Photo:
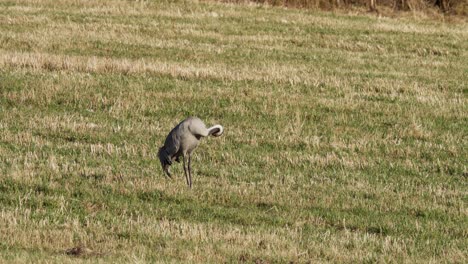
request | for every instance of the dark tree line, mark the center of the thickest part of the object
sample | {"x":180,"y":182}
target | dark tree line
{"x":459,"y":7}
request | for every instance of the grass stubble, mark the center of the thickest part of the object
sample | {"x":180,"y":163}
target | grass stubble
{"x":345,"y":140}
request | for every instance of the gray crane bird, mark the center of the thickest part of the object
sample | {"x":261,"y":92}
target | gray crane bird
{"x":182,"y":141}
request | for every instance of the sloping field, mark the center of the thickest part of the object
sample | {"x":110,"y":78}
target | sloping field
{"x":346,"y":136}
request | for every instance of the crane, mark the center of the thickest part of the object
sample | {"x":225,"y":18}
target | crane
{"x":182,"y":141}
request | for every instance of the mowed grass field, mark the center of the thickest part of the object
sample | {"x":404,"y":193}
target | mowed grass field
{"x":345,"y":136}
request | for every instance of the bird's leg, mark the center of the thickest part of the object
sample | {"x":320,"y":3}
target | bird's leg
{"x":185,"y":170}
{"x":190,"y":170}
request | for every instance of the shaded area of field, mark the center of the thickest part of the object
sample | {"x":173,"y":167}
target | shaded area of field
{"x":345,"y":135}
{"x":449,"y":7}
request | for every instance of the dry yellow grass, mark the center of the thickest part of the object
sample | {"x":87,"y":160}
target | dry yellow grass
{"x":345,"y":135}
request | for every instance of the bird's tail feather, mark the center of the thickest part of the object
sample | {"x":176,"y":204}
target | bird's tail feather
{"x":163,"y":157}
{"x":216,"y":130}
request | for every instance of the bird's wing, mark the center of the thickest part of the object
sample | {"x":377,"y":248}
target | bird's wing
{"x":172,"y":142}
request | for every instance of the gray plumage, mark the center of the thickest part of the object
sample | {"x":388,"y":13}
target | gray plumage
{"x":182,"y":141}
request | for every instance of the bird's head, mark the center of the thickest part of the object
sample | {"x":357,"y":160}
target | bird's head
{"x":216,"y":130}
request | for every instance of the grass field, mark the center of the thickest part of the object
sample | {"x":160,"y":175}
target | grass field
{"x":346,"y":136}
